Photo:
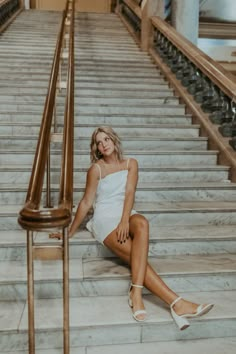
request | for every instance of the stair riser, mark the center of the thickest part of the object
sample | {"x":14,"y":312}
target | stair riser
{"x":12,"y":291}
{"x":156,"y":248}
{"x":96,"y":109}
{"x":99,"y":119}
{"x":119,"y":334}
{"x":109,"y":93}
{"x":148,"y":177}
{"x":43,"y":75}
{"x":86,"y":132}
{"x":127,"y":145}
{"x":156,"y":218}
{"x":101,"y":101}
{"x":228,"y":195}
{"x":155,"y":160}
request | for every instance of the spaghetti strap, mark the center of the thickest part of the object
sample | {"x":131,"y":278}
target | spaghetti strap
{"x":99,"y":168}
{"x":127,"y":164}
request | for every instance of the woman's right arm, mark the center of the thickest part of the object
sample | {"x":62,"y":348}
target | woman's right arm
{"x":86,"y":202}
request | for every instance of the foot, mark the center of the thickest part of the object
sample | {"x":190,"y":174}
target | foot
{"x":184,"y":307}
{"x":137,"y":304}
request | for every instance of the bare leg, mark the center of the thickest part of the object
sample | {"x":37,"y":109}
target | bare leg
{"x":134,"y":252}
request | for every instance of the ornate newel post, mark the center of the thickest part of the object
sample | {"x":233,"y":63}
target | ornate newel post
{"x":150,"y":8}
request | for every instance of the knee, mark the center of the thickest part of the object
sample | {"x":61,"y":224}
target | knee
{"x":141,"y":225}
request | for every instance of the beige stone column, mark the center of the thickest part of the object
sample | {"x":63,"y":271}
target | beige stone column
{"x":185,"y":18}
{"x":150,"y":8}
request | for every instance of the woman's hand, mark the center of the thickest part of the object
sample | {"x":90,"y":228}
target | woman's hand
{"x":122,"y":231}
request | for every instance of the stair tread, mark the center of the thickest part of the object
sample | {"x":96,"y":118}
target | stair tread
{"x":124,"y":138}
{"x":155,"y":207}
{"x":82,"y":167}
{"x":204,"y":346}
{"x":128,"y":126}
{"x":227,"y":185}
{"x":96,"y":268}
{"x":157,"y":234}
{"x":90,"y":312}
{"x":135,"y":152}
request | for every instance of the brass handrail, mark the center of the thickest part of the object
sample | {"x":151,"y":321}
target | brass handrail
{"x":30,"y":216}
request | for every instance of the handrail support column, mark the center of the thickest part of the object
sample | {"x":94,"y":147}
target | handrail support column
{"x":66,"y":317}
{"x":30,"y":290}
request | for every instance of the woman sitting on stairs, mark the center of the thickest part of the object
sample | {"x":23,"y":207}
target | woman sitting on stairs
{"x":110,"y":189}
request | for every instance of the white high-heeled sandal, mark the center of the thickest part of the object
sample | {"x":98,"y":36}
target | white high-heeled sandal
{"x":130,"y":302}
{"x":181,"y":320}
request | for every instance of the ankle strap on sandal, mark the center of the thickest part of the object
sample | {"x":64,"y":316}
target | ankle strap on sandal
{"x":136,"y":286}
{"x":175,"y":301}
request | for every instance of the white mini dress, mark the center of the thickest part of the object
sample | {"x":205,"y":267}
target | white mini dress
{"x":108,"y":205}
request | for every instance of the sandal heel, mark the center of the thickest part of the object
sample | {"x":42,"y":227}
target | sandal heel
{"x":181,"y":321}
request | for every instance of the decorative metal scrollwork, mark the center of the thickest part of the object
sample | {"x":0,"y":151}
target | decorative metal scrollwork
{"x":7,"y":10}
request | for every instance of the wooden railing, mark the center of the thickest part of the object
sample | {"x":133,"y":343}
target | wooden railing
{"x":9,"y":9}
{"x":207,"y":89}
{"x":33,"y":216}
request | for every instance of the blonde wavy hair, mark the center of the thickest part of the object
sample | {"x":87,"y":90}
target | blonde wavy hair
{"x":95,"y":155}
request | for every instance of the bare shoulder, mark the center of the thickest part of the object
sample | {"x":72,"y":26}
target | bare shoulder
{"x":133,"y":163}
{"x":93,"y":171}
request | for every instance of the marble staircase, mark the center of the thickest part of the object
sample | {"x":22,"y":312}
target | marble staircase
{"x":187,"y":197}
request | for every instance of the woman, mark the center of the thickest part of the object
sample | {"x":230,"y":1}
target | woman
{"x":110,"y":189}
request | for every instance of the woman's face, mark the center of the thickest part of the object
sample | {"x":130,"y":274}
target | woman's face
{"x":104,"y":144}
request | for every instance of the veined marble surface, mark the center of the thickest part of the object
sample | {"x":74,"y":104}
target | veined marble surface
{"x":203,"y":346}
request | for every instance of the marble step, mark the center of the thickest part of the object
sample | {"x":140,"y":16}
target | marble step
{"x":21,"y":174}
{"x":27,"y":55}
{"x":146,"y":192}
{"x":80,"y":93}
{"x":143,"y":143}
{"x":104,"y":67}
{"x":144,"y":158}
{"x":102,"y":109}
{"x":14,"y":40}
{"x":113,"y":53}
{"x":86,"y":65}
{"x":216,"y":345}
{"x":91,"y":277}
{"x":79,"y":78}
{"x":93,"y":322}
{"x":82,"y":74}
{"x":88,"y":92}
{"x":89,"y":85}
{"x":24,"y":50}
{"x":89,"y":100}
{"x":82,"y":42}
{"x":104,"y":119}
{"x":115,"y":56}
{"x":127,"y":130}
{"x":158,"y":214}
{"x":164,"y":241}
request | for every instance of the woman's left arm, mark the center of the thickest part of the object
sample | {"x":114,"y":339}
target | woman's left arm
{"x":132,"y":180}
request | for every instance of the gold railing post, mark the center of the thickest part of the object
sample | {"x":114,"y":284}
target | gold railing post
{"x":30,"y":285}
{"x":48,"y":183}
{"x":66,"y":315}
